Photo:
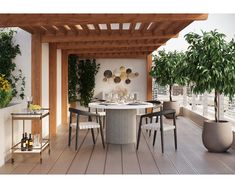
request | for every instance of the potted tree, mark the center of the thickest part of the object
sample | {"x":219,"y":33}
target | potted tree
{"x":211,"y":67}
{"x":165,"y":71}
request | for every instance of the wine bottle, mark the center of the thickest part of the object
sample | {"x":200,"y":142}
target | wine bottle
{"x":23,"y":143}
{"x":26,"y":140}
{"x":30,"y":143}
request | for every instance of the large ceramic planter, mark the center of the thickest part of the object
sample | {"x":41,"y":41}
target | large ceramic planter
{"x":167,"y":105}
{"x":217,"y":136}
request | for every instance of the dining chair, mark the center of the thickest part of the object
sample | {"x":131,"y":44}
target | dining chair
{"x":91,"y":125}
{"x":156,"y":107}
{"x":155,"y":126}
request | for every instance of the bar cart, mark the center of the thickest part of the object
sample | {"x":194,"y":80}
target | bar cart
{"x":43,"y":142}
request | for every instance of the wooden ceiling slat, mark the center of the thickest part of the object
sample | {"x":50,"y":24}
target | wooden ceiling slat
{"x":74,"y":29}
{"x":104,"y":37}
{"x":62,"y":29}
{"x":18,"y":20}
{"x":143,"y":27}
{"x":132,"y":27}
{"x":85,"y":28}
{"x":50,"y":29}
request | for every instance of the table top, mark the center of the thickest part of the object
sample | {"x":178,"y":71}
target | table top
{"x":124,"y":106}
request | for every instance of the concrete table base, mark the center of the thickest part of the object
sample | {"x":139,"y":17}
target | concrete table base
{"x":121,"y":126}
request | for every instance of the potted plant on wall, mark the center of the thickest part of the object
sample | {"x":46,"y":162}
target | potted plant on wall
{"x":211,"y":67}
{"x":165,"y":71}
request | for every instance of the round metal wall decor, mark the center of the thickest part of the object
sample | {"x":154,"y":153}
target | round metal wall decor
{"x":128,"y":81}
{"x":108,"y":73}
{"x":128,"y":71}
{"x":117,"y":75}
{"x":117,"y":79}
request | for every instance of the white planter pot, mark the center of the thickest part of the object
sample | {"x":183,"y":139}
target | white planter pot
{"x":217,"y":136}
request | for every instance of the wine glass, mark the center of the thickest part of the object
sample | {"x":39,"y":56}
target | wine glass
{"x":132,"y":96}
{"x":29,"y":101}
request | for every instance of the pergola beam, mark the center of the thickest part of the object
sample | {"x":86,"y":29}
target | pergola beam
{"x":104,"y":37}
{"x":103,"y":46}
{"x":20,"y":20}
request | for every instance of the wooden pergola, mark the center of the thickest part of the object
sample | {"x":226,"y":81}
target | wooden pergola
{"x":92,"y":36}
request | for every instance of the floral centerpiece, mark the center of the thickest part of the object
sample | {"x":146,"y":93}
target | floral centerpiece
{"x":5,"y":91}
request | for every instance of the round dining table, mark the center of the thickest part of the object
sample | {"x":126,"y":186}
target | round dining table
{"x":120,"y":120}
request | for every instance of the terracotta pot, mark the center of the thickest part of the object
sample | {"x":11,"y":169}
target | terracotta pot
{"x":217,"y":136}
{"x":167,"y":105}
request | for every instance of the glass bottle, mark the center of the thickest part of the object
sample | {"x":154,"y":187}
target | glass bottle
{"x":23,"y":143}
{"x":30,"y":143}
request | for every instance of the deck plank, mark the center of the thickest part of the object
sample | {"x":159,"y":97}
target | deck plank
{"x":97,"y":160}
{"x":82,"y":158}
{"x":62,"y":164}
{"x":129,"y":158}
{"x":113,"y":163}
{"x":145,"y":158}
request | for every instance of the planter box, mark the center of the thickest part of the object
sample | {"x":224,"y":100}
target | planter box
{"x":6,"y":130}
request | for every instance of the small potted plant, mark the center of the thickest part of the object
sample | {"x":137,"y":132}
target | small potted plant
{"x":165,"y":71}
{"x":211,"y":67}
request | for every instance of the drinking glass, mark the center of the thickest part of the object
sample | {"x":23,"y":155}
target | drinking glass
{"x":36,"y":140}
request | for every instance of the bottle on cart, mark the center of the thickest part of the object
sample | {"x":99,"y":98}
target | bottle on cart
{"x":26,"y":140}
{"x":30,"y":143}
{"x":23,"y":143}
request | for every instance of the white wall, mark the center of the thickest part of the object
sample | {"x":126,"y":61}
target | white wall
{"x":23,"y":61}
{"x":138,"y":84}
{"x":222,"y":22}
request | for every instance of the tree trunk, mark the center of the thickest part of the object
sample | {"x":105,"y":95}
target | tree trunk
{"x":170,"y":88}
{"x":216,"y":106}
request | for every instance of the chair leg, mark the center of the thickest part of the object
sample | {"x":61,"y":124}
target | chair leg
{"x":138,"y":138}
{"x":93,"y":136}
{"x":104,"y":122}
{"x":102,"y":136}
{"x":70,"y":132}
{"x":175,"y":137}
{"x":76,"y":143}
{"x":154,"y":137}
{"x":149,"y":132}
{"x":162,"y":141}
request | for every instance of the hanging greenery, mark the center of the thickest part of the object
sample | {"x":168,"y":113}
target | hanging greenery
{"x":166,"y":69}
{"x":72,"y":78}
{"x":8,"y":52}
{"x":82,"y":79}
{"x":87,"y":69}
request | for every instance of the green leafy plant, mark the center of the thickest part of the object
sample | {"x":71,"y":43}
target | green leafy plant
{"x":82,"y":79}
{"x":211,"y":65}
{"x":73,"y":78}
{"x":8,"y":51}
{"x":166,"y":69}
{"x":87,"y":69}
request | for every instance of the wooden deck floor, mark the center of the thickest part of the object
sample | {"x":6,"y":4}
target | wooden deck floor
{"x":190,"y":158}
